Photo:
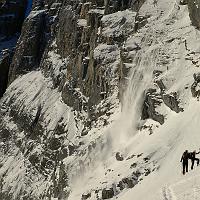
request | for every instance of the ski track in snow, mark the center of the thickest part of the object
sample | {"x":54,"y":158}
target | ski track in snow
{"x":168,"y":194}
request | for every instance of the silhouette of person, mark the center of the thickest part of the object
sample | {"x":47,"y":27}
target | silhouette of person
{"x":193,"y":158}
{"x":184,"y":160}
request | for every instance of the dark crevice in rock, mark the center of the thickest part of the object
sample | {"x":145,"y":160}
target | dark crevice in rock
{"x":4,"y":70}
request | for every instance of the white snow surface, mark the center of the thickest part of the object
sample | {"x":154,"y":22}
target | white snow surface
{"x":115,"y":24}
{"x":38,"y":91}
{"x":58,"y":65}
{"x":34,"y":14}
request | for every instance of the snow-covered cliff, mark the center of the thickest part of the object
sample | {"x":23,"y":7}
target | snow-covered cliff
{"x":102,"y":100}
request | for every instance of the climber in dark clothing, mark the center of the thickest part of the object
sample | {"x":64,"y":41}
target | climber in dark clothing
{"x":193,"y":158}
{"x":184,"y":160}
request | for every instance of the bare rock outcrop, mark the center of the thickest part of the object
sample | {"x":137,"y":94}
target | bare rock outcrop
{"x":152,"y":100}
{"x":194,"y":12}
{"x":108,"y":193}
{"x":195,"y":87}
{"x":171,"y":100}
{"x":30,"y":46}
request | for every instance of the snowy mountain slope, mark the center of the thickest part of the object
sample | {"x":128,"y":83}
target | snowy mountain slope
{"x":169,"y":144}
{"x":19,"y":100}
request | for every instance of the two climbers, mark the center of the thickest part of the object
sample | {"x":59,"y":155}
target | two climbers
{"x":185,"y":157}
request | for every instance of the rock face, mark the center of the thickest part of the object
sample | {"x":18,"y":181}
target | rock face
{"x":108,"y":193}
{"x":152,"y":100}
{"x":30,"y":45}
{"x":171,"y":101}
{"x":195,"y":89}
{"x":4,"y":70}
{"x":194,"y":10}
{"x":158,"y":97}
{"x":86,"y":196}
{"x":119,"y":157}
